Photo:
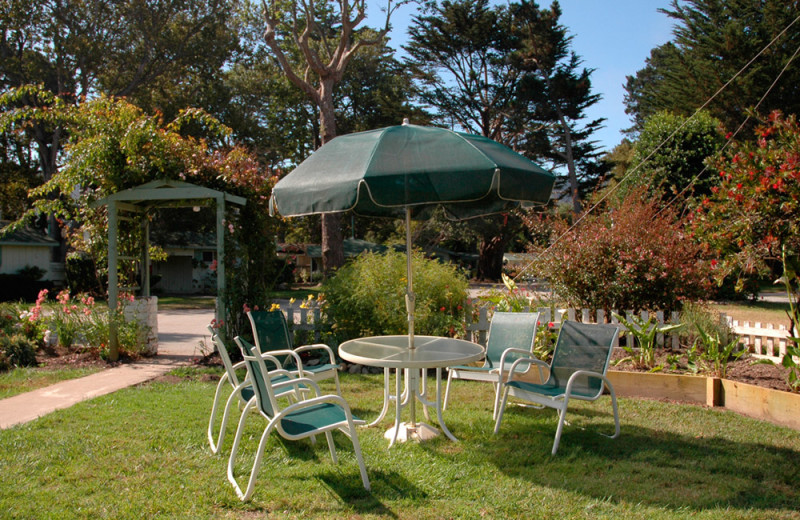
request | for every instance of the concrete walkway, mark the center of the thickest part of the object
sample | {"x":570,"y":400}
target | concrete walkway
{"x":179,"y":336}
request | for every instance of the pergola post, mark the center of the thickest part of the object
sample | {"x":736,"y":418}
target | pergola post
{"x":146,"y":258}
{"x":113,"y":279}
{"x":220,"y":306}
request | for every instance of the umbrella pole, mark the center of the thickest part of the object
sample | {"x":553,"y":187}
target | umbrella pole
{"x":410,"y":296}
{"x":411,"y":378}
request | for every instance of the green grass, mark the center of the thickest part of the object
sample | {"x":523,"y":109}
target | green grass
{"x":142,"y":453}
{"x":760,"y":311}
{"x":21,"y":380}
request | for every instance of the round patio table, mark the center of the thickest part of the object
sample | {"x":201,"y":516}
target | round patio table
{"x":392,"y":352}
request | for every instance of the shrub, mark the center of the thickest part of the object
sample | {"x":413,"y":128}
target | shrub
{"x":366,"y":297}
{"x":16,"y":351}
{"x":632,"y":257}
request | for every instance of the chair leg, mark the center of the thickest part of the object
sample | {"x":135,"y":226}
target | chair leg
{"x":235,"y":449}
{"x":616,"y":412}
{"x":215,"y":448}
{"x":357,"y":449}
{"x":336,"y":379}
{"x":562,"y":415}
{"x":447,"y":389}
{"x":498,"y":389}
{"x":331,"y":447}
{"x":212,"y":419}
{"x":502,"y":409}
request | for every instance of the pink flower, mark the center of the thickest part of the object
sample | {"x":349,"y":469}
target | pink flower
{"x":213,"y":266}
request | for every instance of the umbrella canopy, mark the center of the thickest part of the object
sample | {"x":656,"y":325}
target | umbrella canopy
{"x":398,"y":170}
{"x":383,"y":172}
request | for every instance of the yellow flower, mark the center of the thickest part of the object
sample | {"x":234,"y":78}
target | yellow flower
{"x":291,"y":301}
{"x":310,"y":297}
{"x":275,"y":307}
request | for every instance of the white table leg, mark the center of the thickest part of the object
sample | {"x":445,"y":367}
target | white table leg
{"x":386,"y":397}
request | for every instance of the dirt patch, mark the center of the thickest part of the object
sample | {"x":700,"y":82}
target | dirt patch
{"x":745,"y":369}
{"x":57,"y":358}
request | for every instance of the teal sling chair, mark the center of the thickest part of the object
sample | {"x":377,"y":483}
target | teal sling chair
{"x":577,"y":371}
{"x":317,"y":414}
{"x":511,"y":335}
{"x":241,"y":392}
{"x":272,"y":336}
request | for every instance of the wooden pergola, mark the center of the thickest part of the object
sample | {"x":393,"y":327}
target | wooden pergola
{"x":139,"y":200}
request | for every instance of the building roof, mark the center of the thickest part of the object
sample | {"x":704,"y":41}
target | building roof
{"x":25,"y":236}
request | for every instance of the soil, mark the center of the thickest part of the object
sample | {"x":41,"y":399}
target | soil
{"x":56,"y":358}
{"x":745,"y":369}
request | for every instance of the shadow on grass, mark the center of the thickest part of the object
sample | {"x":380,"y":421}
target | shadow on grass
{"x":350,"y":489}
{"x":644,"y":465}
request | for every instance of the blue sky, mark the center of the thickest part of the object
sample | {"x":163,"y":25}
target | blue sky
{"x":614,"y":37}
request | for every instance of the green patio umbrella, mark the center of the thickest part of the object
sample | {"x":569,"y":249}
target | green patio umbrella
{"x":399,"y":170}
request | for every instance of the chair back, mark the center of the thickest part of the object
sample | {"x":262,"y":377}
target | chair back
{"x":224,"y":356}
{"x":270,"y":332}
{"x":510,"y":330}
{"x":582,"y":346}
{"x":259,"y":377}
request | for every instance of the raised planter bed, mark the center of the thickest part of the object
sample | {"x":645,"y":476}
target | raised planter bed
{"x":761,"y":403}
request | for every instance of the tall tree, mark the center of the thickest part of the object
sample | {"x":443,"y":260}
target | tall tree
{"x":713,"y":40}
{"x":669,"y":156}
{"x":458,"y":55}
{"x":313,"y":42}
{"x":557,"y":90}
{"x":507,"y":73}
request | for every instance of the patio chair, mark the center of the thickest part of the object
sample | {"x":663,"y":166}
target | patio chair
{"x":577,"y":371}
{"x":511,"y":336}
{"x":318,"y":414}
{"x":271,"y":334}
{"x":241,"y":392}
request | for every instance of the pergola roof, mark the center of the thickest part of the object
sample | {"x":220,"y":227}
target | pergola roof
{"x":165,"y":192}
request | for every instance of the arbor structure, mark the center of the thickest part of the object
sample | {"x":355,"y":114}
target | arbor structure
{"x":114,"y":146}
{"x":713,"y":40}
{"x":313,"y":44}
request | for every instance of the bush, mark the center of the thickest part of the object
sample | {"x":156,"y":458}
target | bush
{"x":16,"y":351}
{"x":366,"y":297}
{"x":82,"y":274}
{"x":633,"y":257}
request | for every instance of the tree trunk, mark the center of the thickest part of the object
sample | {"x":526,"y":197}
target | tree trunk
{"x":332,"y":246}
{"x":490,"y":261}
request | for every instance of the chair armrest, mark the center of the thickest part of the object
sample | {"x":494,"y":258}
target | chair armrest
{"x":527,"y":358}
{"x":530,"y":360}
{"x":296,"y":382}
{"x":328,"y":398}
{"x":272,"y":359}
{"x":589,"y":373}
{"x":317,"y":346}
{"x":284,"y":352}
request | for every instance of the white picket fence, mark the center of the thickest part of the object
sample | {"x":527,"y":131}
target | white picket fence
{"x":762,"y":341}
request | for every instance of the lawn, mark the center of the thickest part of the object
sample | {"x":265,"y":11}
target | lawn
{"x":24,"y":379}
{"x":142,"y":453}
{"x":755,"y":312}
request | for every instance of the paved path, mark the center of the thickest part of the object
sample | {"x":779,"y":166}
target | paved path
{"x":179,"y":335}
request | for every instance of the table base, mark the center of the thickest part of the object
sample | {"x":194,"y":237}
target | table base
{"x":406,"y":432}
